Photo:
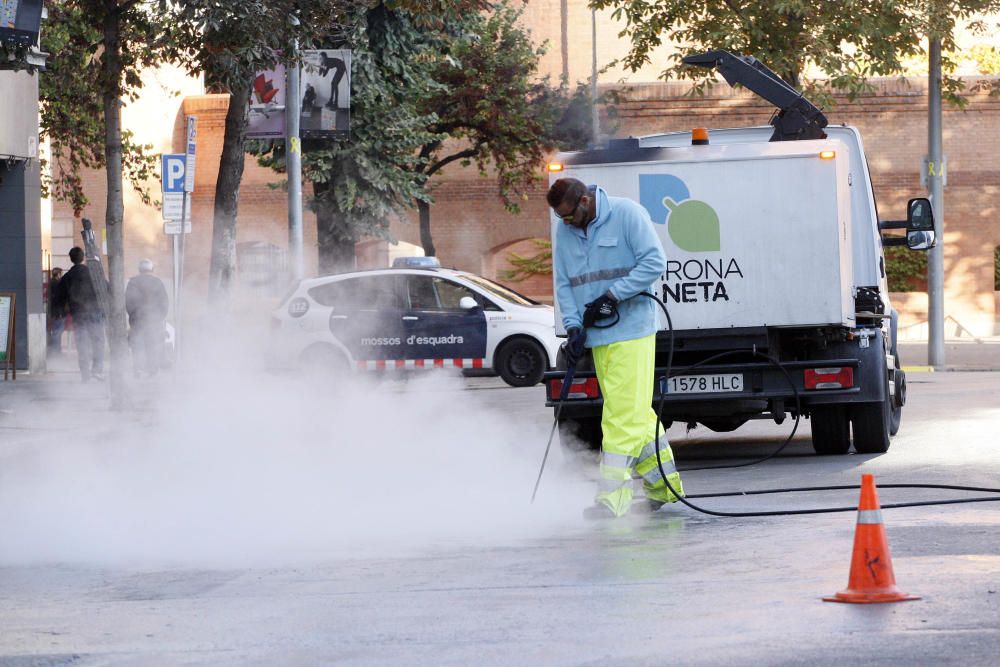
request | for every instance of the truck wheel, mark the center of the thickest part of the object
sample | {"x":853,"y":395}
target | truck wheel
{"x":872,"y":425}
{"x":521,"y":362}
{"x":831,"y":433}
{"x":324,"y":360}
{"x":896,"y":415}
{"x":582,"y":434}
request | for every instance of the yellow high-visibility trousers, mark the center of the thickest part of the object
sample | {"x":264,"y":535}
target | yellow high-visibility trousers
{"x":625,"y":373}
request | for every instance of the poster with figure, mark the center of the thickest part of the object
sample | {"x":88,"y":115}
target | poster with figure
{"x":326,"y":93}
{"x":266,"y":114}
{"x":20,"y":20}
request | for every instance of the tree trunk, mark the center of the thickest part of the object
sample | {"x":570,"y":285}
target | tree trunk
{"x":334,"y":238}
{"x":227,"y":196}
{"x":424,"y":209}
{"x":112,"y":71}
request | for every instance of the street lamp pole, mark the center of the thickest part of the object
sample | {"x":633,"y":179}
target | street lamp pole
{"x":293,"y":163}
{"x":595,"y":118}
{"x":935,"y":185}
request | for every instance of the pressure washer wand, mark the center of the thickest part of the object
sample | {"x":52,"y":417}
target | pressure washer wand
{"x":563,"y":395}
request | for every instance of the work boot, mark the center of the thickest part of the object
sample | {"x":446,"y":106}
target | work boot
{"x":676,"y":508}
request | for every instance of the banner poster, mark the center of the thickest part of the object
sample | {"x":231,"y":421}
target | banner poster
{"x":266,"y":119}
{"x":326,"y":93}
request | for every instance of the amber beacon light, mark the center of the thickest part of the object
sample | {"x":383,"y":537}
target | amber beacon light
{"x":827,"y":155}
{"x":555,"y":166}
{"x":699,"y":136}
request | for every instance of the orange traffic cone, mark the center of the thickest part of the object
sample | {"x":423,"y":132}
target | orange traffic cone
{"x":871,"y":578}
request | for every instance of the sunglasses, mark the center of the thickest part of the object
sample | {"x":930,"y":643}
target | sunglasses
{"x":572,"y":214}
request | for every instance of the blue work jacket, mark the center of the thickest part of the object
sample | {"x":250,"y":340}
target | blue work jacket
{"x":619,"y":251}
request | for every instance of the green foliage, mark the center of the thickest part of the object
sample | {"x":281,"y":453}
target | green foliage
{"x":847,"y":41}
{"x":524,"y":267}
{"x":230,"y":41}
{"x":71,"y":91}
{"x":362,"y":181}
{"x":905,"y":269}
{"x":492,"y":109}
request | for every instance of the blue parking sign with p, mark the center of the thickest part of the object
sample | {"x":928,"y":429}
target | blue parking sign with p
{"x":172,"y":172}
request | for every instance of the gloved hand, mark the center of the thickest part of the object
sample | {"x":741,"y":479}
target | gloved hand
{"x":574,"y":347}
{"x":600,"y":308}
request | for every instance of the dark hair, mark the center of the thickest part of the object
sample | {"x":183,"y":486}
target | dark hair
{"x":76,"y":254}
{"x":565,"y":189}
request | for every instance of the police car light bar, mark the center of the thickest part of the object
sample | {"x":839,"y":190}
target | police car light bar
{"x":416,"y":263}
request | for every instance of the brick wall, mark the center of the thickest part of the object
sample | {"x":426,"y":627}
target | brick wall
{"x":472,"y":230}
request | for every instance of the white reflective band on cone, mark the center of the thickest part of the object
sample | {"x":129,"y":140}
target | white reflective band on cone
{"x":869,"y":516}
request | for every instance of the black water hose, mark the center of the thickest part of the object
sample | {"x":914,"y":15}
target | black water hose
{"x":798,"y":415}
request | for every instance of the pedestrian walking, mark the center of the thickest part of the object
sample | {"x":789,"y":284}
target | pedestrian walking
{"x":146,"y":303}
{"x":606,"y":253}
{"x":75,"y":293}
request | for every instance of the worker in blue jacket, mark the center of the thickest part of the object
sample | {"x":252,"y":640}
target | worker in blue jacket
{"x":606,"y":252}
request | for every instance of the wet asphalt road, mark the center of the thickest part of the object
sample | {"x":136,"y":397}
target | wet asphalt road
{"x":684,"y":588}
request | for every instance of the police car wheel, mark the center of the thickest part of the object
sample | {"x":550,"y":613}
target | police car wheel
{"x":521,"y":362}
{"x":324,"y":360}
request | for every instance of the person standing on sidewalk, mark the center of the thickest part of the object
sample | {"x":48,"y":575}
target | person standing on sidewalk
{"x":147,"y":304}
{"x":57,"y":318}
{"x":606,"y":253}
{"x":75,"y":293}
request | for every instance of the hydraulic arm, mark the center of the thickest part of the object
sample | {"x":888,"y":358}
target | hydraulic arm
{"x":797,"y":117}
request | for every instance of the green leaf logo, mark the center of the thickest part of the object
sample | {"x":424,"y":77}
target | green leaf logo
{"x":693,"y":225}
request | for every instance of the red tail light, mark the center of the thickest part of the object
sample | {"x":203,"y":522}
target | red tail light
{"x":829,"y":378}
{"x":582,"y":388}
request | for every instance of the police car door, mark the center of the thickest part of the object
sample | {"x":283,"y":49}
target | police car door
{"x":367,"y":318}
{"x":438,"y":328}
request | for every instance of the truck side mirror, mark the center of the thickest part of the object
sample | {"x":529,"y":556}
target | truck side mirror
{"x":919,"y":215}
{"x":920,"y":233}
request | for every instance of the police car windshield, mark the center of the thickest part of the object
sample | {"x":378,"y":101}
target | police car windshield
{"x":499,"y":290}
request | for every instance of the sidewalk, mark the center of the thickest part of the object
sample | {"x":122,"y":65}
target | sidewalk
{"x":981,"y":354}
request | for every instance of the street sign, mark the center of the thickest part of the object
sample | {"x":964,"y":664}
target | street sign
{"x":189,"y":163}
{"x":172,"y":185}
{"x":173,"y":227}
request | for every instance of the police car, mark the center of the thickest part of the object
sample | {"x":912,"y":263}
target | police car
{"x":412,"y":316}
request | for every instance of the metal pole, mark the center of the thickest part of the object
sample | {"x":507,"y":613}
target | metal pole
{"x":293,"y":165}
{"x":595,"y":118}
{"x":935,"y":185}
{"x":177,"y":277}
{"x":180,"y":280}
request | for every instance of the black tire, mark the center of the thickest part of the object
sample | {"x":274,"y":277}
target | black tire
{"x":521,"y":362}
{"x":324,"y":362}
{"x":831,"y":432}
{"x":896,"y":414}
{"x":582,"y":434}
{"x":872,"y":424}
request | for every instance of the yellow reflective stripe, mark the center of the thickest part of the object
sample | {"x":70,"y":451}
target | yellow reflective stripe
{"x":618,"y":501}
{"x":612,"y":472}
{"x":647,"y":458}
{"x":869,"y":516}
{"x":609,"y":485}
{"x":653,"y":474}
{"x":617,"y":460}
